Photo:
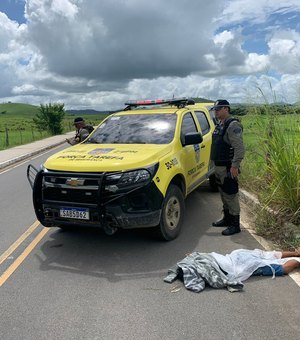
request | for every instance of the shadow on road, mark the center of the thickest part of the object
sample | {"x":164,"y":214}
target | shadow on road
{"x":133,"y":254}
{"x":129,"y":253}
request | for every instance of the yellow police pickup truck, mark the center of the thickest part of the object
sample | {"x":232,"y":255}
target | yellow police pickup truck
{"x":133,"y":171}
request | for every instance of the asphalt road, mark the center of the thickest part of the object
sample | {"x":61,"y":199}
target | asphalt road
{"x":87,"y":285}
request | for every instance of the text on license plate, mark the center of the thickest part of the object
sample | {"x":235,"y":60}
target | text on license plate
{"x":78,"y":213}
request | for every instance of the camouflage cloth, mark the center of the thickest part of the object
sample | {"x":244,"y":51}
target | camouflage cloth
{"x":199,"y":269}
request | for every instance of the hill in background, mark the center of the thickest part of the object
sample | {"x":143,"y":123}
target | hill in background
{"x":18,"y":109}
{"x":29,"y":111}
{"x":202,"y":100}
{"x":86,"y":112}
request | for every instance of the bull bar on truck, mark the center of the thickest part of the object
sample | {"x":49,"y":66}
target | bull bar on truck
{"x":98,"y":194}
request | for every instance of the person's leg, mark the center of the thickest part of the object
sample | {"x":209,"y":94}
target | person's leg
{"x":272,"y":269}
{"x":220,"y":173}
{"x":280,"y":270}
{"x":232,"y":201}
{"x":224,"y":221}
{"x":285,"y":254}
{"x":290,"y":265}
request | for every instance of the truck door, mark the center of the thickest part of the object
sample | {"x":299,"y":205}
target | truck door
{"x":205,"y":146}
{"x":190,"y":154}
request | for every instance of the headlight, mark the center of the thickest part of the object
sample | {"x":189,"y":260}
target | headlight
{"x":130,"y":179}
{"x":133,"y":177}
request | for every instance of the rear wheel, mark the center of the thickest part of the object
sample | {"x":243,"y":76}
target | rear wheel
{"x":172,"y":214}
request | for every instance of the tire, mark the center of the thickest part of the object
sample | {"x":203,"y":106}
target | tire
{"x":172,"y":214}
{"x":213,"y":184}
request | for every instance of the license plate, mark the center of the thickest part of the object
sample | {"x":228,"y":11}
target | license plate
{"x":77,"y":213}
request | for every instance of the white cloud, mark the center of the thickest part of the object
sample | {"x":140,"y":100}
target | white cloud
{"x":64,"y":8}
{"x":223,"y":38}
{"x":91,"y":53}
{"x":26,"y":89}
{"x":121,"y":40}
{"x":256,"y":11}
{"x":228,"y":56}
{"x":256,"y":63}
{"x":284,"y":50}
{"x":7,"y":31}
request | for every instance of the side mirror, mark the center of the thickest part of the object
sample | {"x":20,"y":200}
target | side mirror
{"x":192,"y":138}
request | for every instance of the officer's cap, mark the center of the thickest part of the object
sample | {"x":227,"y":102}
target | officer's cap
{"x":78,"y":120}
{"x":220,"y":103}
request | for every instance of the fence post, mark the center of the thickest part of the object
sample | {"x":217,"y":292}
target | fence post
{"x":6,"y":137}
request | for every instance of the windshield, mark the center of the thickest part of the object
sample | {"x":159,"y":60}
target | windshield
{"x":136,"y":129}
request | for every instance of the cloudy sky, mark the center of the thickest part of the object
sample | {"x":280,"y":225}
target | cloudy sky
{"x":98,"y":54}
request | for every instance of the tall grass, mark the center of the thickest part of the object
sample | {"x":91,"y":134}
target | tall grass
{"x":282,"y":152}
{"x":20,"y":137}
{"x":271,"y":169}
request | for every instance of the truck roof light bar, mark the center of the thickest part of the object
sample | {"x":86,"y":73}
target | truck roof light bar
{"x":179,"y":102}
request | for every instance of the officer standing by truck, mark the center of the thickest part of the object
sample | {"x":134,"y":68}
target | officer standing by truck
{"x":227,"y":153}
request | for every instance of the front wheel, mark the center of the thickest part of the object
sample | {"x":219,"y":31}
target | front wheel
{"x":172,"y":214}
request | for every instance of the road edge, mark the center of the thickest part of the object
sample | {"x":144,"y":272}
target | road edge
{"x":18,"y":159}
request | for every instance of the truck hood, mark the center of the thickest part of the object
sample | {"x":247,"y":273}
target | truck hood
{"x":106,"y":157}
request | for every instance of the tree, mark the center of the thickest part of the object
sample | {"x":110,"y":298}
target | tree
{"x":50,"y":117}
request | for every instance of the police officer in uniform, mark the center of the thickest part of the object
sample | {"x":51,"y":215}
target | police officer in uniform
{"x":227,"y":153}
{"x":82,"y":131}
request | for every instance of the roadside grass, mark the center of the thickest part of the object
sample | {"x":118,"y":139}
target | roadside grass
{"x":271,"y":171}
{"x":274,"y":227}
{"x":17,"y":125}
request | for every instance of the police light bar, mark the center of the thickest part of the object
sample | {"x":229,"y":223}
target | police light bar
{"x":146,"y":102}
{"x":174,"y":101}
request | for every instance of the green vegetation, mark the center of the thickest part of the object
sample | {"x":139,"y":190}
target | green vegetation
{"x":16,"y":109}
{"x":17,"y":127}
{"x":202,"y":100}
{"x":263,"y":110}
{"x":50,"y":118}
{"x":271,"y":170}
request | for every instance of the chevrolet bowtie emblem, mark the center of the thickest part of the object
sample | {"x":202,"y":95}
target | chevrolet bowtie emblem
{"x":74,"y":182}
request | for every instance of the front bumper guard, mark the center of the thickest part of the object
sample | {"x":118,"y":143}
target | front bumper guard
{"x":104,"y":219}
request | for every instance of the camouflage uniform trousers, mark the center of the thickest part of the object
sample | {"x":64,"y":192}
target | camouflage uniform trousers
{"x":228,"y":189}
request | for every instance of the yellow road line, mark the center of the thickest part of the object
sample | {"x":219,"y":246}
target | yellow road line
{"x":15,"y":245}
{"x":10,"y":270}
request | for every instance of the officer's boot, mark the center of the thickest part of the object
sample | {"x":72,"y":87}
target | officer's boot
{"x":234,"y":226}
{"x":223,"y":222}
